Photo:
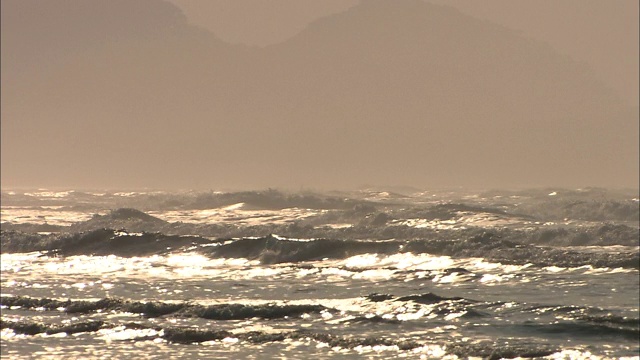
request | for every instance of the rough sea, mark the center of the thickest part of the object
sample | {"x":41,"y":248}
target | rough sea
{"x":543,"y":273}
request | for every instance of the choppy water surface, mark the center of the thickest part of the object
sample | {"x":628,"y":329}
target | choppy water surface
{"x":375,"y":275}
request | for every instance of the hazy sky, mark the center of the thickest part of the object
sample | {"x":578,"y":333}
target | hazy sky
{"x":602,"y":33}
{"x":337,"y":94}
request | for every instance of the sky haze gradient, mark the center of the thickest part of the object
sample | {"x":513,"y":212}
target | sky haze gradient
{"x":189,"y":94}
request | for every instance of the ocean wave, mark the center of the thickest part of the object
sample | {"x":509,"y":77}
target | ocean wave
{"x":270,"y":249}
{"x":488,"y":246}
{"x":157,"y":309}
{"x":572,"y":321}
{"x":274,"y":250}
{"x":426,"y":298}
{"x":500,"y":350}
{"x":33,"y":328}
{"x":494,"y":248}
{"x":343,"y":219}
{"x":583,"y":318}
{"x":187,"y":335}
{"x":575,"y":329}
{"x":97,"y":242}
{"x":177,"y":335}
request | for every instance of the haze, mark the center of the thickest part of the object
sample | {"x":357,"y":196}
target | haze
{"x":331,"y":94}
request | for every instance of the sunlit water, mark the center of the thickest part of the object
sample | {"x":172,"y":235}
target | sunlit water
{"x":402,"y":305}
{"x":516,"y":304}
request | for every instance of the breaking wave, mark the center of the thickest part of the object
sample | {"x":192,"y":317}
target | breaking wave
{"x":273,"y":250}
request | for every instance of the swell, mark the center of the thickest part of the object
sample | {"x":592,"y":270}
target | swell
{"x":495,"y":248}
{"x":426,"y":298}
{"x":569,"y":319}
{"x":367,"y":222}
{"x":440,"y":305}
{"x":500,"y":350}
{"x":591,"y":204}
{"x":184,"y":335}
{"x":33,"y":328}
{"x":157,"y":309}
{"x":579,"y":329}
{"x":98,"y":242}
{"x":273,"y":250}
{"x":591,"y":322}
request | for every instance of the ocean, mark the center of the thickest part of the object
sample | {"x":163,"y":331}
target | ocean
{"x":539,"y":273}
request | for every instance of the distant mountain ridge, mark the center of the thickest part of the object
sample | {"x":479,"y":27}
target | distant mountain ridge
{"x":397,"y":92}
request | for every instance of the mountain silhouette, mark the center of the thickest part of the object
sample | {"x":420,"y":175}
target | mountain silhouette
{"x":387,"y":92}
